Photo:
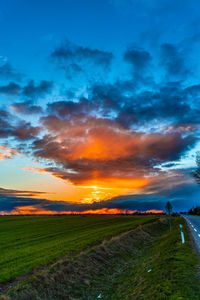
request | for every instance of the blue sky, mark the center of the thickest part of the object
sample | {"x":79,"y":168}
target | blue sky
{"x":99,"y":101}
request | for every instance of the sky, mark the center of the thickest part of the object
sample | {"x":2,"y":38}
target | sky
{"x":99,"y":105}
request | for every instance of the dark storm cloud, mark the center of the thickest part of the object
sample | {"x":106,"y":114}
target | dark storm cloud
{"x":21,"y":130}
{"x":110,"y":96}
{"x":99,"y":103}
{"x":11,"y":88}
{"x":66,"y":109}
{"x":182,"y":197}
{"x":7,"y":72}
{"x":27,"y":108}
{"x":139,"y":58}
{"x":169,"y":102}
{"x":102,"y":100}
{"x":5,"y":127}
{"x":193,"y":90}
{"x":174,"y":61}
{"x":30,"y":90}
{"x":25,"y":131}
{"x":74,"y":53}
{"x":81,"y":63}
{"x":10,"y":203}
{"x":36,"y":90}
{"x":18,"y":193}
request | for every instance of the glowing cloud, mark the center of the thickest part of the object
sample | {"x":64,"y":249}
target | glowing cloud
{"x":7,"y":152}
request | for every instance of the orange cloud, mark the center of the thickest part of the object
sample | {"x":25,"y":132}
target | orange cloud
{"x":104,"y":140}
{"x":94,"y":189}
{"x":7,"y":152}
{"x":88,"y":152}
{"x":35,"y":169}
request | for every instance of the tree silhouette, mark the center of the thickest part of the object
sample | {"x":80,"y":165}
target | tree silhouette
{"x":196,"y":174}
{"x":169,"y":211}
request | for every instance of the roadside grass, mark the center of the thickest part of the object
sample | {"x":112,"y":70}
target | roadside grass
{"x":146,"y":263}
{"x":30,"y":242}
{"x":173,"y":268}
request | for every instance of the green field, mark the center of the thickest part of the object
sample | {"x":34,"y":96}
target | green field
{"x":148,"y":262}
{"x":29,"y":242}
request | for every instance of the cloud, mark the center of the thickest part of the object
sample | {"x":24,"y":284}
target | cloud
{"x":11,"y":88}
{"x":18,"y":193}
{"x":66,"y":109}
{"x":25,"y":131}
{"x":7,"y":72}
{"x":74,"y":53}
{"x":87,"y":149}
{"x":173,"y":60}
{"x":21,"y":129}
{"x":22,"y":202}
{"x":116,"y":134}
{"x":5,"y":127}
{"x":140,"y":100}
{"x":139,"y":58}
{"x":166,"y":103}
{"x":16,"y":202}
{"x":33,"y":90}
{"x":193,"y":90}
{"x":30,"y":90}
{"x":6,"y":152}
{"x":26,"y":108}
{"x":10,"y":200}
{"x":81,"y":63}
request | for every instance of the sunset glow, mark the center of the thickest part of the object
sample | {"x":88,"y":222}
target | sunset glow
{"x":98,"y":111}
{"x":30,"y":210}
{"x":97,"y":188}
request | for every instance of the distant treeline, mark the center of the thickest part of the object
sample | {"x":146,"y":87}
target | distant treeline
{"x":194,"y":211}
{"x":90,"y":214}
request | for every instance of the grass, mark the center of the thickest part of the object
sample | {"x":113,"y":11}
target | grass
{"x":173,"y":270}
{"x":118,"y":269}
{"x":29,"y":242}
